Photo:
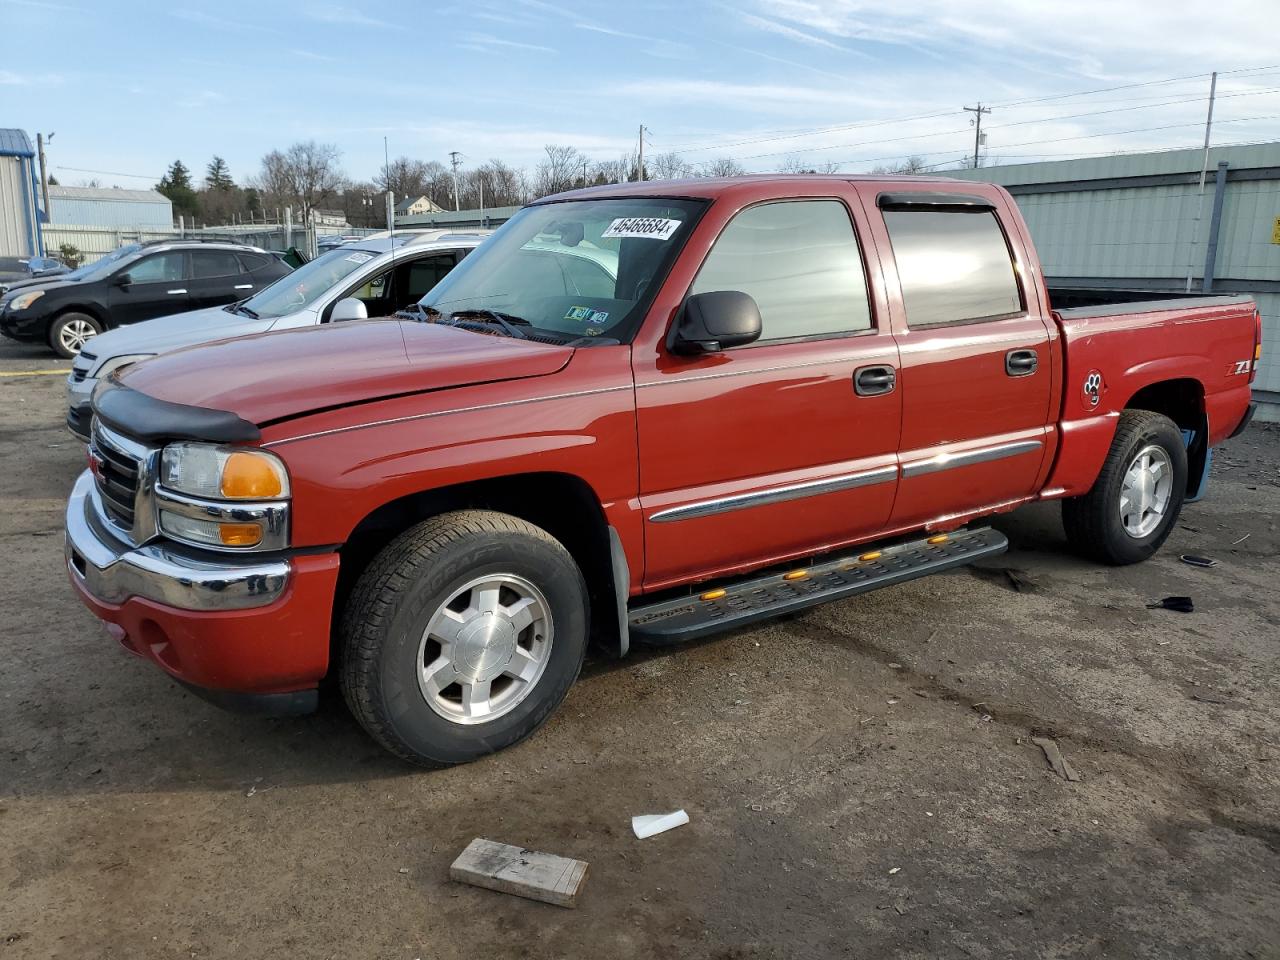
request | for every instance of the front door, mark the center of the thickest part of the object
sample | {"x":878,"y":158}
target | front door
{"x":976,"y":364}
{"x":770,"y":450}
{"x":157,"y":287}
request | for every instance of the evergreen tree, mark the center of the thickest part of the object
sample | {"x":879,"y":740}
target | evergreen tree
{"x":176,"y":185}
{"x":218,"y":175}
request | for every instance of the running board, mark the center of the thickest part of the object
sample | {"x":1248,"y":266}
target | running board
{"x":737,"y":604}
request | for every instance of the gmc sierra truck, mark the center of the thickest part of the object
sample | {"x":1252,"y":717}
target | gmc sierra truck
{"x":639,"y":413}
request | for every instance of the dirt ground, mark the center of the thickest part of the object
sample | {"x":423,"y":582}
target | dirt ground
{"x":859,"y":779}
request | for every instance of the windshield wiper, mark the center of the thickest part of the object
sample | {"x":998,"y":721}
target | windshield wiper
{"x":248,"y":312}
{"x":507,"y":322}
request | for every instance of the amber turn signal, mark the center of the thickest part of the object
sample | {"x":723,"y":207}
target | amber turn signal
{"x":240,"y":534}
{"x":246,"y":476}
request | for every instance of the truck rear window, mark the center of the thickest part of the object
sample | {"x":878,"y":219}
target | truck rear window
{"x":954,"y":266}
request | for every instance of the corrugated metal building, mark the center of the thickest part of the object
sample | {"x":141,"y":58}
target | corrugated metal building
{"x":489,"y":217}
{"x":109,"y":207}
{"x":1139,"y":222}
{"x":19,"y":222}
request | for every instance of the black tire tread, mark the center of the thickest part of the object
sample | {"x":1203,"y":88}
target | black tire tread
{"x":1084,"y":517}
{"x":374,"y":597}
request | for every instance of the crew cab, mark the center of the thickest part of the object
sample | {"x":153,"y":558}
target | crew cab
{"x":372,"y":277}
{"x":135,"y":283}
{"x":638,"y":413}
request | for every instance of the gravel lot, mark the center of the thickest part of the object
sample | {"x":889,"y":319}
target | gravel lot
{"x":859,"y":779}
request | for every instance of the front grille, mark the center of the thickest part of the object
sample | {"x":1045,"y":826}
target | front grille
{"x":117,"y":480}
{"x":83,"y":364}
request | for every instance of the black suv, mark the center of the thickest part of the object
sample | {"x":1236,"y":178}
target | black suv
{"x":136,"y":282}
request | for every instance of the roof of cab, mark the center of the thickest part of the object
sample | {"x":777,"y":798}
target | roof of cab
{"x":711,"y":187}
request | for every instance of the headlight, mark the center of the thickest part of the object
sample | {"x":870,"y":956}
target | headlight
{"x":115,"y":363}
{"x":24,"y":300}
{"x":223,"y":497}
{"x":223,"y":473}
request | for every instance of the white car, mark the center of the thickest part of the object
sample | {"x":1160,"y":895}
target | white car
{"x":373,"y":277}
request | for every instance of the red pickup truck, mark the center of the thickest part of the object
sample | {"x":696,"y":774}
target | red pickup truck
{"x":636,"y":413}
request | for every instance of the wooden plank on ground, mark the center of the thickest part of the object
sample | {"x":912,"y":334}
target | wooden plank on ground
{"x":526,"y":873}
{"x":1053,"y":754}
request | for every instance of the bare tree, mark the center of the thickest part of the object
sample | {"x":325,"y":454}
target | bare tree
{"x":614,"y":171}
{"x":668,"y":166}
{"x":796,"y":165}
{"x":306,"y":175}
{"x":562,"y":170}
{"x":722,"y":167}
{"x":405,"y":177}
{"x":908,"y":167}
{"x":503,"y":186}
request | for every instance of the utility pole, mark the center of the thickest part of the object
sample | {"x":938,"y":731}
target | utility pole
{"x":584,"y":173}
{"x":44,"y":178}
{"x":977,"y":111}
{"x":1204,"y":170}
{"x":455,"y":158}
{"x":640,"y":171}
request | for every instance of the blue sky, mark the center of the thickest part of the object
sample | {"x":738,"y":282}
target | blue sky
{"x":129,"y":86}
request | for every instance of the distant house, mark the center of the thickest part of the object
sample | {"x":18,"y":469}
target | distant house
{"x":321,"y":217}
{"x":417,"y":206}
{"x":109,"y":207}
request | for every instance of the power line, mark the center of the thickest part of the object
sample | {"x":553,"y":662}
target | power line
{"x":114,"y":173}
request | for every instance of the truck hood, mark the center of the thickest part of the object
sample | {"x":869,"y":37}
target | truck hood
{"x":277,"y":376}
{"x":173,"y":332}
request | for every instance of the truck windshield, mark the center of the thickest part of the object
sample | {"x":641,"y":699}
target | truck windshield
{"x":302,"y":288}
{"x":583,"y":268}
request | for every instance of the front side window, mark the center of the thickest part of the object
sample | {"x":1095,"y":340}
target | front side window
{"x":799,"y":260}
{"x":582,"y":268}
{"x":954,"y":266}
{"x":161,"y":268}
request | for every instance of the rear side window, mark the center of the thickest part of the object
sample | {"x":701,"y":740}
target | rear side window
{"x":250,"y":262}
{"x":425,"y":274}
{"x":954,"y":266}
{"x":214,"y":263}
{"x":799,"y":260}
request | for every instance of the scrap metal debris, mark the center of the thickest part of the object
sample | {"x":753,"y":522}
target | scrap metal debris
{"x":1053,"y":754}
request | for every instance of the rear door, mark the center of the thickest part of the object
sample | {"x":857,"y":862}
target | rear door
{"x":157,"y":287}
{"x":771,"y":450}
{"x":975,"y":354}
{"x":217,"y":277}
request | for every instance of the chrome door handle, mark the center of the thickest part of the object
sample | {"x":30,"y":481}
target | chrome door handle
{"x":244,"y":286}
{"x":180,"y":290}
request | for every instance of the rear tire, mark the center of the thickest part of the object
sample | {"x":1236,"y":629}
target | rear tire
{"x":69,"y":333}
{"x":1134,"y":503}
{"x":462,"y":636}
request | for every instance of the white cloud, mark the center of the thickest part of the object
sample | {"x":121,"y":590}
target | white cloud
{"x":345,"y":16}
{"x":10,"y":78}
{"x":482,"y":41}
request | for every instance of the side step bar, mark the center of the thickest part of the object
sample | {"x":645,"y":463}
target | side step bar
{"x":713,"y":610}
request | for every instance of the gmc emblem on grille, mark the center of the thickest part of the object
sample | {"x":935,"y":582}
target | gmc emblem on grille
{"x":95,"y":465}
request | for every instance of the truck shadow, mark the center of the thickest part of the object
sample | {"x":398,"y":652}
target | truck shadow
{"x":149,"y":736}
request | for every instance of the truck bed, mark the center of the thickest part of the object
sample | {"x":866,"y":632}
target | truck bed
{"x":1079,"y":302}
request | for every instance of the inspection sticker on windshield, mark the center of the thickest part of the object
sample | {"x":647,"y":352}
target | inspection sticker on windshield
{"x":587,"y":315}
{"x":358,"y":257}
{"x":650,"y":228}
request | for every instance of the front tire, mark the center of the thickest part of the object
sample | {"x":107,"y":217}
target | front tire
{"x":70,"y":332}
{"x":462,"y":637}
{"x":1134,"y":503}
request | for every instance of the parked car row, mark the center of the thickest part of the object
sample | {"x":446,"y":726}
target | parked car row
{"x":643,"y":412}
{"x":374,"y":277}
{"x":135,"y":283}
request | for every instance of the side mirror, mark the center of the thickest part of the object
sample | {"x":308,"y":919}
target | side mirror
{"x":349,"y":308}
{"x":122,"y":279}
{"x":711,"y":322}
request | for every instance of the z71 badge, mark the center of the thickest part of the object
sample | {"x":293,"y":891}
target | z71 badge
{"x":1091,"y":392}
{"x":1239,"y":367}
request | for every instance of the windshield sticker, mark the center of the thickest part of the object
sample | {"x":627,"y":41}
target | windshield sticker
{"x":587,"y":315}
{"x":358,"y":257}
{"x":649,"y":228}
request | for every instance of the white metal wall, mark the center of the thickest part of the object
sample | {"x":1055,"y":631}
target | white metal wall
{"x":15,"y":212}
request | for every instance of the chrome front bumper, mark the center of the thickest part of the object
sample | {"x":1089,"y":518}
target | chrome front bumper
{"x":112,"y":572}
{"x":80,"y":406}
